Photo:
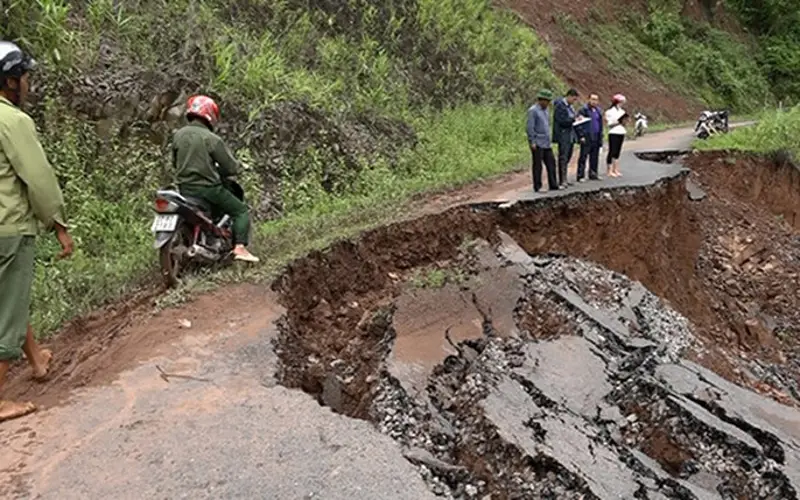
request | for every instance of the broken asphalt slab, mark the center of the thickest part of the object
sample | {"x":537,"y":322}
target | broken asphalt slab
{"x":607,"y":413}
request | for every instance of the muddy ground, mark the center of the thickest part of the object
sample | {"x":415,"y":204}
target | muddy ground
{"x":508,"y":370}
{"x":718,"y":245}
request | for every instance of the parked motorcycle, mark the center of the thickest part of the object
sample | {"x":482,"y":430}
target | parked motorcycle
{"x":711,"y":123}
{"x":640,"y":127}
{"x":187,"y":235}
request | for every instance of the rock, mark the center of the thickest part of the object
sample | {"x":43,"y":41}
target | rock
{"x":419,"y":456}
{"x":694,"y":191}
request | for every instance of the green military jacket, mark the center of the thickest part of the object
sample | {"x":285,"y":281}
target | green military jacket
{"x":195,"y":150}
{"x":29,"y":190}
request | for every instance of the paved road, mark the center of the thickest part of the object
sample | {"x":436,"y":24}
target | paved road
{"x":229,"y":433}
{"x":635,"y":172}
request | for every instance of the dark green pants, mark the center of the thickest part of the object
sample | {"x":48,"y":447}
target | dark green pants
{"x":222,"y":202}
{"x":16,"y":278}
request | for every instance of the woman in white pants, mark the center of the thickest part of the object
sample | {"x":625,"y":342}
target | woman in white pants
{"x":616,"y":117}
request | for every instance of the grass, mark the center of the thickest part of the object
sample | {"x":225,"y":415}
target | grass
{"x":692,"y":59}
{"x":774,"y":131}
{"x":457,"y":72}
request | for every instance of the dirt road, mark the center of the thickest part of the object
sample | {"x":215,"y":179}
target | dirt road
{"x":185,"y":404}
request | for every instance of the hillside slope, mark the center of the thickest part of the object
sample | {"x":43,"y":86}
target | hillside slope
{"x":343,"y":109}
{"x":670,"y":58}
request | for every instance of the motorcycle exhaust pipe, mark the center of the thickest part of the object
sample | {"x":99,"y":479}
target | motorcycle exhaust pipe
{"x":203,"y":253}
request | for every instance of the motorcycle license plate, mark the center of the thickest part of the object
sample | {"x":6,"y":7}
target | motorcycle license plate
{"x":164,"y":223}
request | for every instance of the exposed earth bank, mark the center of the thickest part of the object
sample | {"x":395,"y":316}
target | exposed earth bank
{"x":573,"y":380}
{"x":627,"y":343}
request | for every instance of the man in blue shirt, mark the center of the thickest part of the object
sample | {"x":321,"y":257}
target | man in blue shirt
{"x":563,"y":133}
{"x":538,"y":128}
{"x":590,"y":136}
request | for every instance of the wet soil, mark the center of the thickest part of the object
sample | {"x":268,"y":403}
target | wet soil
{"x":352,"y":314}
{"x":342,"y":325}
{"x":95,"y":348}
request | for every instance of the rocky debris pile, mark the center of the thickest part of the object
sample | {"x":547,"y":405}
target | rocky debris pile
{"x":606,"y":409}
{"x":751,"y":262}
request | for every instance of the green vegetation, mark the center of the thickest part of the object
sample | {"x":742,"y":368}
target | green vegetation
{"x":774,"y":132}
{"x":690,"y":57}
{"x":438,"y":278}
{"x":776,"y":23}
{"x":344,"y":110}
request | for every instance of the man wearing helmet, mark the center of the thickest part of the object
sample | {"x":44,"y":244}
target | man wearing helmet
{"x":202,"y":162}
{"x":29,"y":196}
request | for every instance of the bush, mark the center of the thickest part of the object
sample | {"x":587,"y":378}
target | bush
{"x":718,"y":67}
{"x":349,"y":74}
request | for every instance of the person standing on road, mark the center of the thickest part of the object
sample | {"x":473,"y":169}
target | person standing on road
{"x":590,"y":136}
{"x":538,"y":129}
{"x":564,"y":133}
{"x":29,"y":195}
{"x":616,"y":118}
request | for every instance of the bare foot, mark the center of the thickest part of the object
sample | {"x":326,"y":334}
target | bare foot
{"x":40,"y":372}
{"x":10,"y":410}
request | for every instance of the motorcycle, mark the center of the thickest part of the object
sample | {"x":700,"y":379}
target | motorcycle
{"x":641,"y":125}
{"x":703,"y":128}
{"x":711,"y":123}
{"x":186,"y":234}
{"x":721,"y":121}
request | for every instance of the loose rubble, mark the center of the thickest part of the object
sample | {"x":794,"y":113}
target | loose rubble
{"x":591,"y":386}
{"x":610,"y":410}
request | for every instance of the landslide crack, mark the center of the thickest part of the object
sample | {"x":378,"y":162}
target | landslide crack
{"x":555,"y":395}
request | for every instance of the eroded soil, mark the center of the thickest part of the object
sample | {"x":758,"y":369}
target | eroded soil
{"x":467,"y":336}
{"x":726,"y":262}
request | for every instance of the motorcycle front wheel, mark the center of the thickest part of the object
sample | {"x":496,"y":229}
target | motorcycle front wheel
{"x":172,"y":256}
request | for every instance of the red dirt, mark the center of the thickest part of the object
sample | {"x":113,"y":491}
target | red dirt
{"x":672,"y":245}
{"x":588,"y":69}
{"x":95,"y":348}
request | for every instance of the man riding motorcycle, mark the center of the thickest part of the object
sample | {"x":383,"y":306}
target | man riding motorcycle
{"x":202,"y":162}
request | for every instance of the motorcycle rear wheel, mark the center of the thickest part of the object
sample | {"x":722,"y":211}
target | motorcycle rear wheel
{"x":172,"y":256}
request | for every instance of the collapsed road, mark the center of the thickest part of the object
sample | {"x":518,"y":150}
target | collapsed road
{"x":636,"y":341}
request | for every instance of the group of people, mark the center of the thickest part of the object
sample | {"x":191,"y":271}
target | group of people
{"x":584,"y":127}
{"x":31,"y":199}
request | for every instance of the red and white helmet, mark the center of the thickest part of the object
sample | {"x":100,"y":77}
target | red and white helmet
{"x":618,"y":99}
{"x":204,"y":107}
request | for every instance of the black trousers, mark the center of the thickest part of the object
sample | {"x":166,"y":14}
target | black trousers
{"x":565,"y":150}
{"x":614,"y":147}
{"x":590,"y":150}
{"x":539,"y":156}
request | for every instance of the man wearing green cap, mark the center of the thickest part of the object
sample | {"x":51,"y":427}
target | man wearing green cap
{"x":538,"y":129}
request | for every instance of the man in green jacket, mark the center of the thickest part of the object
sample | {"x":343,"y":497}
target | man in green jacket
{"x":202,"y":162}
{"x":29,"y":196}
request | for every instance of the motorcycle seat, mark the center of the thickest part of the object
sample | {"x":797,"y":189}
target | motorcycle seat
{"x":198,"y":203}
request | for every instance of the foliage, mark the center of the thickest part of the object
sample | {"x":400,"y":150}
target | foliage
{"x":716,"y":63}
{"x":456,"y":71}
{"x":776,"y":23}
{"x":694,"y":59}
